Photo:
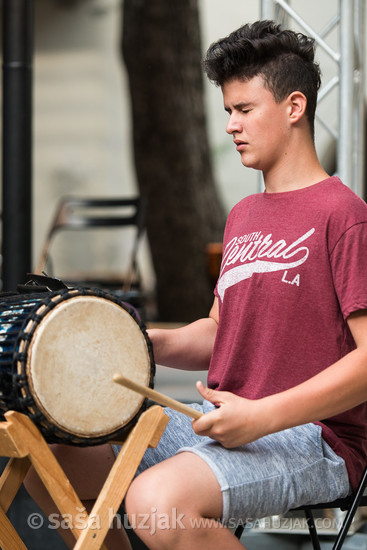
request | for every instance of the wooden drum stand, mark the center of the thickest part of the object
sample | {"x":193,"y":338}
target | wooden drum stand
{"x":23,"y":443}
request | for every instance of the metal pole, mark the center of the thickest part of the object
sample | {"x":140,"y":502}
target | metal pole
{"x":268,"y":9}
{"x":346,"y":95}
{"x":274,"y":10}
{"x":359,"y":115}
{"x":17,"y":140}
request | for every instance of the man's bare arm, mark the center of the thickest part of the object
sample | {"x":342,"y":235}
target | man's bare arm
{"x":189,"y":347}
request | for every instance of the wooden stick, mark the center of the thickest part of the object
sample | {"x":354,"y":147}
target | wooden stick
{"x":156,"y":396}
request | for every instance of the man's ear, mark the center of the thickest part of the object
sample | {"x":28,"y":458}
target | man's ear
{"x":297,"y":106}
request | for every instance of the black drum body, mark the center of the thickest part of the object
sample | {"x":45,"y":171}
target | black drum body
{"x":58,"y":354}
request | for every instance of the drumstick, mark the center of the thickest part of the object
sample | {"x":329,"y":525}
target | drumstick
{"x":156,"y":396}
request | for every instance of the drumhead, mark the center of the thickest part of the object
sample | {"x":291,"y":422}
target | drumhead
{"x":75,"y":351}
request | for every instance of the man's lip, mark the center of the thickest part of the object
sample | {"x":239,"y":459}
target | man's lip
{"x":240,"y":144}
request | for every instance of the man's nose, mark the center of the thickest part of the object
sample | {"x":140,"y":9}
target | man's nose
{"x":233,"y":124}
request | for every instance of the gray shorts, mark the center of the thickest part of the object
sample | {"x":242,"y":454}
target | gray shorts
{"x":269,"y":476}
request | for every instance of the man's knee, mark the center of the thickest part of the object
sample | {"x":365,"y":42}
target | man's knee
{"x":147,"y":492}
{"x":151,"y":507}
{"x":181,"y":484}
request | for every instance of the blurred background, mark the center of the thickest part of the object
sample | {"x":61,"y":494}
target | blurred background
{"x":120,"y":109}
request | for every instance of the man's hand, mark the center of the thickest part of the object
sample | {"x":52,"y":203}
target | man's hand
{"x":236,"y":420}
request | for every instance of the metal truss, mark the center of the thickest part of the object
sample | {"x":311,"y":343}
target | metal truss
{"x":348,"y":58}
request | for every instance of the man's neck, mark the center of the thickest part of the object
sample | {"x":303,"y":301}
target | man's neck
{"x":294,"y":183}
{"x":291,"y":175}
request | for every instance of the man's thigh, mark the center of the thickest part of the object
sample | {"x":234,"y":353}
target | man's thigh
{"x":178,"y":433}
{"x":182,"y":486}
{"x":275,"y":473}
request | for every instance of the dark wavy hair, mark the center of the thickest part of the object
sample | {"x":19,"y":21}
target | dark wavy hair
{"x":285,"y":60}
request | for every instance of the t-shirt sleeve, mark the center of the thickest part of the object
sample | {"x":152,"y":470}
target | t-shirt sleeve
{"x":349,"y":266}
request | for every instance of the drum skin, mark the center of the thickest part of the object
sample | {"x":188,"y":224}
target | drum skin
{"x":65,"y":354}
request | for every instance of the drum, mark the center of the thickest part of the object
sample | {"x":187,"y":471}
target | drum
{"x":58,"y":354}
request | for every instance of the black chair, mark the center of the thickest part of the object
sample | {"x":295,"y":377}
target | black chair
{"x":83,"y":213}
{"x":349,"y":504}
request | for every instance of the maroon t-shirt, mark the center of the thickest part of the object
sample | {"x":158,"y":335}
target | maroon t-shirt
{"x":294,"y":267}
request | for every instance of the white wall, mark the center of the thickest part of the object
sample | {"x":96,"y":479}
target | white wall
{"x":81,"y":122}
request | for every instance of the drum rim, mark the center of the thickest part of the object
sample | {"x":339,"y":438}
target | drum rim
{"x":53,"y":432}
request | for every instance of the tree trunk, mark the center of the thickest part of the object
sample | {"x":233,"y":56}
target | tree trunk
{"x":161,"y":48}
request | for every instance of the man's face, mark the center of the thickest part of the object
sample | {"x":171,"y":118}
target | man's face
{"x":259,"y":125}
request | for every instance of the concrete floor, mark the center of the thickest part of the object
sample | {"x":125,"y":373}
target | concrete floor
{"x":257,"y":541}
{"x":179,"y":384}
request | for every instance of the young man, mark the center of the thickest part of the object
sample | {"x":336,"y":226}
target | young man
{"x":286,"y":339}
